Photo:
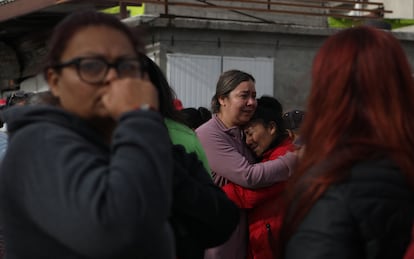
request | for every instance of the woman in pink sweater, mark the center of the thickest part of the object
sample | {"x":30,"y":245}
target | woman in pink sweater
{"x":230,"y":159}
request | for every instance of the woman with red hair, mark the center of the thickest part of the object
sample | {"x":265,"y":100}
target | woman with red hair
{"x":352,"y":194}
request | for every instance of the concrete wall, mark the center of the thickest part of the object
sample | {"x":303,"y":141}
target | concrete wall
{"x":292,"y":53}
{"x":401,"y":8}
{"x":292,"y":48}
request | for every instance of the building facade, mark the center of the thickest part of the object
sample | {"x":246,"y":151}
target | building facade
{"x":193,"y":45}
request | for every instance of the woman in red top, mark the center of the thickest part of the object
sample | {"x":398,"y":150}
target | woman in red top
{"x":268,"y":138}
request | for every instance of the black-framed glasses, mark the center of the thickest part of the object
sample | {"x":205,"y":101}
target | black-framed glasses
{"x":93,"y":70}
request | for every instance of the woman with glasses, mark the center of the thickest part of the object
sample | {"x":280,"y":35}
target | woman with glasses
{"x":85,"y":179}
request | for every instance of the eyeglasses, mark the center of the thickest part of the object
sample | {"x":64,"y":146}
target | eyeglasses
{"x":93,"y":70}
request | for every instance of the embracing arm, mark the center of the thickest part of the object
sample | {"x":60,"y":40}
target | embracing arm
{"x":226,"y":161}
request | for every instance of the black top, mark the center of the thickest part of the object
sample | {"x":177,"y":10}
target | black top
{"x":367,"y":216}
{"x":64,"y":193}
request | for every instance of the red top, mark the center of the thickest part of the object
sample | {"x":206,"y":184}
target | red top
{"x":265,"y":209}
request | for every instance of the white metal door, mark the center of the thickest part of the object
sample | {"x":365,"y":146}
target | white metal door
{"x":260,"y":68}
{"x":194,"y":77}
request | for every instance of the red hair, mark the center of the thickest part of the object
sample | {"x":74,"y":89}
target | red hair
{"x":360,"y":106}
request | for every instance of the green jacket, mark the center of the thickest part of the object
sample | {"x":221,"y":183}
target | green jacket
{"x":183,"y":135}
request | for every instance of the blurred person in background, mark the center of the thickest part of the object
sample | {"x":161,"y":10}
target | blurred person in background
{"x":174,"y":120}
{"x":293,"y":119}
{"x":202,"y":215}
{"x":195,"y":117}
{"x":17,"y":98}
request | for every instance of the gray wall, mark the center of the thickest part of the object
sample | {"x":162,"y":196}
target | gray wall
{"x":293,"y":54}
{"x":292,"y":48}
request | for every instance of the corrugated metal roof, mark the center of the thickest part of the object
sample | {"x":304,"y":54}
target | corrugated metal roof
{"x":24,"y":17}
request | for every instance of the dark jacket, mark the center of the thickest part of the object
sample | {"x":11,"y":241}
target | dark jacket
{"x":203,"y":216}
{"x":367,"y":216}
{"x":64,"y":193}
{"x":409,"y":253}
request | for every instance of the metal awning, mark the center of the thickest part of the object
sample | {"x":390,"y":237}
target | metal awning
{"x":22,"y":18}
